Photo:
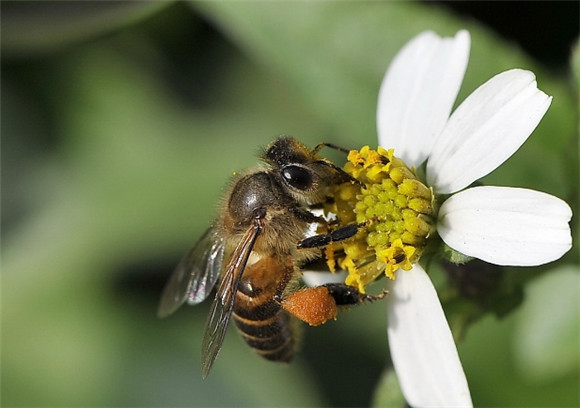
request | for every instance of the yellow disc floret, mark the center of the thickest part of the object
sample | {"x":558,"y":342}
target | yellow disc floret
{"x":393,"y":209}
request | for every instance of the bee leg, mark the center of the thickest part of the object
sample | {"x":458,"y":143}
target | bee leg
{"x":314,"y":306}
{"x":317,"y":305}
{"x":307,"y":216}
{"x":346,"y":295}
{"x":339,"y":234}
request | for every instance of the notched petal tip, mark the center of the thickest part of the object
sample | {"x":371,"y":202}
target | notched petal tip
{"x":506,"y":226}
{"x":486,"y":129}
{"x":418,"y":92}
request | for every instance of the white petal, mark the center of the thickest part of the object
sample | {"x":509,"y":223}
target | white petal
{"x":506,"y":226}
{"x":418,"y":92}
{"x":318,"y":278}
{"x":486,"y":129}
{"x":422,"y":347}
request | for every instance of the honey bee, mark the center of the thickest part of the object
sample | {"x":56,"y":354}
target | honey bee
{"x":253,"y":253}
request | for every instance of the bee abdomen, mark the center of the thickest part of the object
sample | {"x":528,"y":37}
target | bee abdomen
{"x":266,"y":328}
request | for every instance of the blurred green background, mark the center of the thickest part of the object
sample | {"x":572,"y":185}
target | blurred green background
{"x":121,"y":123}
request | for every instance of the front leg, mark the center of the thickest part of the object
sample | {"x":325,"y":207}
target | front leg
{"x":339,"y":234}
{"x":317,"y":305}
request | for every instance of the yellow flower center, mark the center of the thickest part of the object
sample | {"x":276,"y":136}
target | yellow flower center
{"x":394,"y":209}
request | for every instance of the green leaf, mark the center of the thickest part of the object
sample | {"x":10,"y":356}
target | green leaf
{"x":33,"y":27}
{"x":388,"y":392}
{"x":547,"y":332}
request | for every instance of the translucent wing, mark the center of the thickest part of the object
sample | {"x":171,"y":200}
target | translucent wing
{"x":223,"y":304}
{"x":196,"y":274}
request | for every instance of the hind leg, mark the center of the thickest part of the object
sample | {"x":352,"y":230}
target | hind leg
{"x":318,"y":304}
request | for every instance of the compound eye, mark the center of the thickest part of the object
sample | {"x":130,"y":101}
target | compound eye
{"x":297,"y":177}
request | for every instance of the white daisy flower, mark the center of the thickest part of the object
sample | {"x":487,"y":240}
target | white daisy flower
{"x":500,"y":225}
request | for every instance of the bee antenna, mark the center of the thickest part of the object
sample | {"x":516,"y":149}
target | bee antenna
{"x":319,"y":147}
{"x":344,"y":176}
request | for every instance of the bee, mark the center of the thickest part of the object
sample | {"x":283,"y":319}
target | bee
{"x":253,"y":252}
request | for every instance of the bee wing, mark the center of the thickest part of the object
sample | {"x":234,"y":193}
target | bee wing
{"x":196,"y":274}
{"x":223,"y":304}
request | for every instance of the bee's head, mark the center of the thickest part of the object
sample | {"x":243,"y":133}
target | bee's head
{"x":302,"y":173}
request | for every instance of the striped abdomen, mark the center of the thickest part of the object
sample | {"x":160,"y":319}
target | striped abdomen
{"x":264,"y":325}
